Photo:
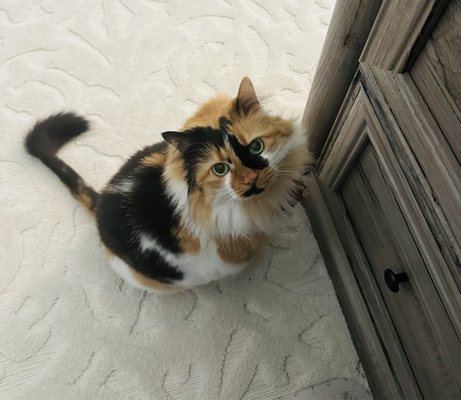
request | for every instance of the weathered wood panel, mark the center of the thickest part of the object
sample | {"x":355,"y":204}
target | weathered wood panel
{"x":381,"y":378}
{"x":403,"y":192}
{"x":344,"y":151}
{"x":396,"y":30}
{"x":430,"y":225}
{"x":433,"y":153}
{"x":443,"y":51}
{"x":350,"y":131}
{"x":387,"y":243}
{"x":369,"y":289}
{"x":440,"y":102}
{"x":349,"y":27}
{"x":437,"y":74}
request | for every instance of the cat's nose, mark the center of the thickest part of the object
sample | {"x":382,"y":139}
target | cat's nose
{"x":249,"y":176}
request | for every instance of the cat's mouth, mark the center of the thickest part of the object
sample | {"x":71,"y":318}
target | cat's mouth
{"x":253,"y":191}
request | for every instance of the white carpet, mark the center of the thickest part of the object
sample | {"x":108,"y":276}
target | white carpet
{"x":69,"y":328}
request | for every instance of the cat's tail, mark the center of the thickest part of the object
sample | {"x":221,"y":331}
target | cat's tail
{"x":44,"y":141}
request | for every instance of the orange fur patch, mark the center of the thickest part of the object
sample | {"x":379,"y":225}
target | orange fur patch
{"x":240,"y":250}
{"x":241,"y":175}
{"x":86,"y":201}
{"x":200,"y":207}
{"x":188,"y":243}
{"x":210,"y":112}
{"x":204,"y":174}
{"x":146,"y":281}
{"x":202,"y":197}
{"x":108,"y":252}
{"x":154,"y":160}
{"x":175,"y":165}
{"x":258,"y":125}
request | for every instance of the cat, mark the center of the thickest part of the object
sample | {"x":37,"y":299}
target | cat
{"x":197,"y":206}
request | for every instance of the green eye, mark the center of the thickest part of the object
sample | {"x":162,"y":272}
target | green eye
{"x":220,"y":169}
{"x":256,"y":147}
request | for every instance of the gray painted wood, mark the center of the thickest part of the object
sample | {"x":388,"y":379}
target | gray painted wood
{"x":387,"y":243}
{"x":396,"y":30}
{"x":429,"y":227}
{"x":443,"y":51}
{"x":347,"y":33}
{"x":340,"y":120}
{"x":344,"y":148}
{"x":446,"y":296}
{"x":402,"y":192}
{"x":427,"y":142}
{"x":439,"y":101}
{"x":385,"y":329}
{"x":343,"y":154}
{"x":437,"y":75}
{"x":381,"y":378}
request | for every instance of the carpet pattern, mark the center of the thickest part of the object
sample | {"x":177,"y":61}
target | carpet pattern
{"x":70,"y":328}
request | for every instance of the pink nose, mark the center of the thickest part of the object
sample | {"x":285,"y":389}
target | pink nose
{"x":249,"y":176}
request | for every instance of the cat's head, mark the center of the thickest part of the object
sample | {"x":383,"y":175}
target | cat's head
{"x":237,"y":152}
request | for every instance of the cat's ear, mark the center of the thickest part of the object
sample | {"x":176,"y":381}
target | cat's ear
{"x":180,"y":140}
{"x":247,"y":102}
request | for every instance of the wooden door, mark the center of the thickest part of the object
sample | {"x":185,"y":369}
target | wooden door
{"x":388,"y":244}
{"x":370,"y":202}
{"x":389,"y":174}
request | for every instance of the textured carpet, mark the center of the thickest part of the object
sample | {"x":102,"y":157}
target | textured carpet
{"x":70,"y":328}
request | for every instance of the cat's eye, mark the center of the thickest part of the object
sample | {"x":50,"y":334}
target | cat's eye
{"x":220,"y":169}
{"x":256,"y":147}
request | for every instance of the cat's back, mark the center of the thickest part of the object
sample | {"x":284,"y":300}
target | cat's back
{"x":135,"y":217}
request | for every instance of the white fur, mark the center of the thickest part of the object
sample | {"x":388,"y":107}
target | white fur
{"x":178,"y":192}
{"x":206,"y":266}
{"x":123,"y":269}
{"x":124,"y":186}
{"x":227,"y":214}
{"x":148,"y":243}
{"x":197,"y":269}
{"x":275,"y":157}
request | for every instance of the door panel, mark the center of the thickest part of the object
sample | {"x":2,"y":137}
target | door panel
{"x":388,"y":244}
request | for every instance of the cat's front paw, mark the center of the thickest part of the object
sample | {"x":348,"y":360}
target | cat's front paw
{"x":300,"y":191}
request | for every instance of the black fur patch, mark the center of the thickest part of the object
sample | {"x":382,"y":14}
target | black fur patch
{"x":50,"y":134}
{"x":118,"y":232}
{"x":152,"y":210}
{"x":224,"y":123}
{"x":243,"y":153}
{"x":147,"y":209}
{"x":44,"y":141}
{"x":120,"y":216}
{"x":253,"y":190}
{"x":134,"y":161}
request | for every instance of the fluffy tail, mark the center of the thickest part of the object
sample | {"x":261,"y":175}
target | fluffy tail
{"x":44,"y":141}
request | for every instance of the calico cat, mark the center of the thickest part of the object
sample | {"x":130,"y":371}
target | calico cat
{"x":197,"y":206}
